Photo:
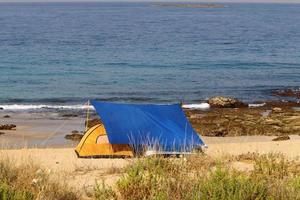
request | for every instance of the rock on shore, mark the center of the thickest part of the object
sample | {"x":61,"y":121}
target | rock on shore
{"x":267,"y":120}
{"x":225,"y":102}
{"x":8,"y":127}
{"x":287,"y":93}
{"x":75,"y":135}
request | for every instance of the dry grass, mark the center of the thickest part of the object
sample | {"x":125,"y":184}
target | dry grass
{"x":272,"y":176}
{"x":28,"y":181}
{"x":203,"y":177}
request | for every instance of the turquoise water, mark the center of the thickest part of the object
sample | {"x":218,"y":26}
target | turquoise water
{"x":66,"y":53}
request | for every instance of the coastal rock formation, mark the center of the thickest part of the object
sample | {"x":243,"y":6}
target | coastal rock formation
{"x":288,"y":93}
{"x":2,"y":133}
{"x":8,"y":127}
{"x":6,"y":116}
{"x":1,"y":108}
{"x":225,"y":102}
{"x":280,"y":121}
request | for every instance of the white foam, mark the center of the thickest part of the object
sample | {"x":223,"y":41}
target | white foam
{"x":42,"y":106}
{"x":255,"y":105}
{"x":201,"y":106}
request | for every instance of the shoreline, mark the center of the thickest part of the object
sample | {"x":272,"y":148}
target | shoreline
{"x":44,"y":127}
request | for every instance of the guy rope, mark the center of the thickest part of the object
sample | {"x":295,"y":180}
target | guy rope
{"x":65,"y":122}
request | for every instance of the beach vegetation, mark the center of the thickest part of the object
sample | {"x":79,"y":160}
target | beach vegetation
{"x":272,"y":176}
{"x":28,"y":181}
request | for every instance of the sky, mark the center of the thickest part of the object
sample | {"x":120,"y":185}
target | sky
{"x":209,"y":1}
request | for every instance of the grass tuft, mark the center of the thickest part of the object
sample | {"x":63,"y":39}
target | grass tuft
{"x":27,"y":182}
{"x":203,"y":177}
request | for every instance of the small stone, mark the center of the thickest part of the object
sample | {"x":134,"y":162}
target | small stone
{"x":1,"y":108}
{"x":6,"y":116}
{"x":2,"y":133}
{"x":219,"y":133}
{"x":69,"y":115}
{"x":74,"y":136}
{"x":8,"y":127}
{"x":281,"y":138}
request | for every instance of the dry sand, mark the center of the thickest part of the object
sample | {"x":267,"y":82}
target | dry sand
{"x":82,"y":173}
{"x":34,"y":130}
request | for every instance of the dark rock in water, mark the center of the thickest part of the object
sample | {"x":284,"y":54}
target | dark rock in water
{"x":2,"y":133}
{"x":8,"y":127}
{"x":6,"y":116}
{"x":280,"y":138}
{"x":69,"y":115}
{"x":225,"y":102}
{"x":93,"y":122}
{"x":1,"y":108}
{"x":287,"y":93}
{"x":74,"y":136}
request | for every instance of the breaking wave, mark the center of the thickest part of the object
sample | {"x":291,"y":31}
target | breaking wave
{"x":24,"y":107}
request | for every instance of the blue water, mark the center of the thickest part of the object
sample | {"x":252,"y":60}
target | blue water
{"x":141,"y":52}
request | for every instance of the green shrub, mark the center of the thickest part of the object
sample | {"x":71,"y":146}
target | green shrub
{"x":9,"y":193}
{"x":224,"y":184}
{"x":273,"y":177}
{"x":104,"y":192}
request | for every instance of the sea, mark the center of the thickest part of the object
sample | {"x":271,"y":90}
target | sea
{"x":61,"y":55}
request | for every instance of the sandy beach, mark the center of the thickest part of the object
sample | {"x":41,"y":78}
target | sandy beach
{"x":82,"y":173}
{"x":39,"y":139}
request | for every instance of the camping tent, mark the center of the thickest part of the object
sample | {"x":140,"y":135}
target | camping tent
{"x":95,"y":143}
{"x":135,"y":126}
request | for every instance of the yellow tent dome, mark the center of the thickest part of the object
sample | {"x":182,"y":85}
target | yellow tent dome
{"x":95,"y":143}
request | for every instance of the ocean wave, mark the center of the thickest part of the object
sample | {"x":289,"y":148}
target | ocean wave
{"x":43,"y":106}
{"x":255,"y":105}
{"x":201,"y":106}
{"x":23,"y":107}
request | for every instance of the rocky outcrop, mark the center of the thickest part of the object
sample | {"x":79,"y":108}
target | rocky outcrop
{"x":1,"y":108}
{"x":225,"y":102}
{"x":6,"y":116}
{"x":280,"y":121}
{"x":8,"y":127}
{"x":2,"y":133}
{"x":288,"y":93}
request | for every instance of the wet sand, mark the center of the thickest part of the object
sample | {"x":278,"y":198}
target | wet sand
{"x":39,"y":130}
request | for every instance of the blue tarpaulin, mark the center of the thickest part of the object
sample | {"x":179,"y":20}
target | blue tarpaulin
{"x":165,"y":126}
